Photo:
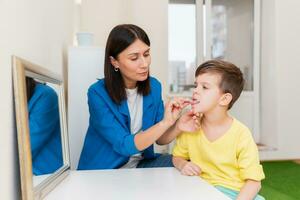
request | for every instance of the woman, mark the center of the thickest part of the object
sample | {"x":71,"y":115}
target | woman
{"x":126,"y":108}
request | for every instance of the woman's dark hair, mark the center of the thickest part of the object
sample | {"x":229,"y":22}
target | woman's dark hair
{"x":30,"y":85}
{"x":118,"y":40}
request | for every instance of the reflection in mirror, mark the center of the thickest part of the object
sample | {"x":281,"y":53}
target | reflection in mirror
{"x":44,"y":128}
{"x":41,"y":126}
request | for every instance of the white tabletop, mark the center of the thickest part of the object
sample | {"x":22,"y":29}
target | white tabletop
{"x":134,"y":184}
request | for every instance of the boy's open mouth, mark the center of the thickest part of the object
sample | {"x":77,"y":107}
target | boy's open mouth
{"x":195,"y":101}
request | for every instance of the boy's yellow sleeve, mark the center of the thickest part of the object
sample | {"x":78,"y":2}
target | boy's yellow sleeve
{"x":248,"y":158}
{"x":181,"y":149}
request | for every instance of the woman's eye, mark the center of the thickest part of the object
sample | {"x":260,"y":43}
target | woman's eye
{"x":147,"y":54}
{"x":204,"y":87}
{"x":134,"y":58}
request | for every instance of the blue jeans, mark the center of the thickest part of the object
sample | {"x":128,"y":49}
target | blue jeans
{"x":163,"y":160}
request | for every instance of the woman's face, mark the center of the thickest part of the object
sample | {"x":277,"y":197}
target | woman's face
{"x":133,"y":63}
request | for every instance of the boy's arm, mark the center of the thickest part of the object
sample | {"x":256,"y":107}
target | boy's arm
{"x":187,"y":168}
{"x":181,"y":157}
{"x":250,"y":168}
{"x":179,"y":162}
{"x":249,"y":190}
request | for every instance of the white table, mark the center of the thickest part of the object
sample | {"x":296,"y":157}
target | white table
{"x":134,"y":184}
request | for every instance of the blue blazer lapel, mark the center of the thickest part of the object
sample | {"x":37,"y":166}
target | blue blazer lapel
{"x":123,"y":109}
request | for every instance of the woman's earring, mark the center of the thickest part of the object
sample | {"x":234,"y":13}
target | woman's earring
{"x":116,"y":69}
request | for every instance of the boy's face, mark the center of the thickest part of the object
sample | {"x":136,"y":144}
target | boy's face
{"x":207,"y":93}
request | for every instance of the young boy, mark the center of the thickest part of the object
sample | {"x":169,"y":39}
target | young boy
{"x":222,"y":151}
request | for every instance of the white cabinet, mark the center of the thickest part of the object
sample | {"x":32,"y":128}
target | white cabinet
{"x":85,"y":66}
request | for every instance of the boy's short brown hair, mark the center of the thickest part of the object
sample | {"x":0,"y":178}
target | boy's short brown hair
{"x":232,"y":80}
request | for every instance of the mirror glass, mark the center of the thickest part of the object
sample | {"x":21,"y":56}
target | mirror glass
{"x":41,"y":126}
{"x":44,"y":128}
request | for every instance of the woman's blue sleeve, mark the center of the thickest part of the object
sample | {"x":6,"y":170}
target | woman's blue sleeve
{"x":105,"y":123}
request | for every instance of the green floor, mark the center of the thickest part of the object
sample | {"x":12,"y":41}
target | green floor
{"x":282,"y":181}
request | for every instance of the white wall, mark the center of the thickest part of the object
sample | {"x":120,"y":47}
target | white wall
{"x":152,"y":16}
{"x":38,"y":31}
{"x":100,"y":16}
{"x":280,"y":78}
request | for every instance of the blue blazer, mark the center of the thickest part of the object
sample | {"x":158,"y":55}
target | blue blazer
{"x":44,"y":128}
{"x":108,"y":143}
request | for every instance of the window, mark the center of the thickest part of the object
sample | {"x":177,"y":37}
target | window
{"x":182,"y":45}
{"x":202,"y":30}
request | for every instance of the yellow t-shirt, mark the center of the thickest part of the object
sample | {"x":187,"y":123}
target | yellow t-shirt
{"x":228,"y":161}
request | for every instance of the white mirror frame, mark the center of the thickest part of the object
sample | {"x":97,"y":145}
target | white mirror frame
{"x":21,"y":69}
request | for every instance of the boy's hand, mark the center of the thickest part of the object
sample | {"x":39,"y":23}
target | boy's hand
{"x":191,"y":169}
{"x":189,"y":122}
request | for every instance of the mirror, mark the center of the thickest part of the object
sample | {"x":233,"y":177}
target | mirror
{"x":41,"y":126}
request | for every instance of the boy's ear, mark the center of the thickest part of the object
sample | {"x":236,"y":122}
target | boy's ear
{"x":225,"y":99}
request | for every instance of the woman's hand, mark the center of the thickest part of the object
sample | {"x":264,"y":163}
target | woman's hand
{"x":173,"y":109}
{"x":189,"y":122}
{"x":190,"y":169}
